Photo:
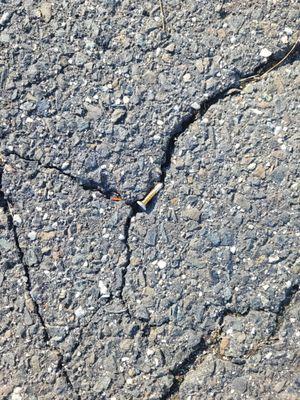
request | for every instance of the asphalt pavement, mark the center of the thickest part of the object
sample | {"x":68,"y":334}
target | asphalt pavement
{"x":196,"y":297}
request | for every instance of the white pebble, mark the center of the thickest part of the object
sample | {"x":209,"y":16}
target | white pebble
{"x":32,"y":235}
{"x":149,"y":352}
{"x":273,"y":259}
{"x":161,"y":264}
{"x":17,"y":219}
{"x":232,"y":249}
{"x":80,"y":312}
{"x":288,"y":31}
{"x":187,"y":77}
{"x":277,"y":130}
{"x":5,"y":18}
{"x":16,"y":394}
{"x":103,"y":289}
{"x":265,"y":53}
{"x":252,"y":166}
{"x":195,"y":105}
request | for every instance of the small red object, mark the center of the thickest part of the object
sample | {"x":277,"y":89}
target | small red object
{"x":116,"y":198}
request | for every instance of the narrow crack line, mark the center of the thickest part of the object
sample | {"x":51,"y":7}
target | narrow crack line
{"x":190,"y":118}
{"x":184,"y":125}
{"x":180,"y":372}
{"x":292,"y":52}
{"x":183,"y":368}
{"x":84,"y":183}
{"x":290,"y":293}
{"x":279,"y":320}
{"x":207,"y":346}
{"x":4,"y":203}
{"x":127,"y":226}
{"x":276,"y":60}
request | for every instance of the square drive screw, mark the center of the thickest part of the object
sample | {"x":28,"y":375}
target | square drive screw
{"x":150,"y":195}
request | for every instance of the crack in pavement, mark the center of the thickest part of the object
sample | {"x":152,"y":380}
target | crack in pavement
{"x":84,"y":183}
{"x":185,"y":366}
{"x":4,"y":203}
{"x":180,"y":372}
{"x":291,"y":52}
{"x":211,"y":344}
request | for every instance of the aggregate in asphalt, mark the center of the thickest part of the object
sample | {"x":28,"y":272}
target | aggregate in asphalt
{"x":96,"y":88}
{"x":197,"y":297}
{"x":29,"y":367}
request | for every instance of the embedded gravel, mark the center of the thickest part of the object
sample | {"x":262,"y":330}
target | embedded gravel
{"x":96,"y":87}
{"x":198,"y":296}
{"x":29,"y":367}
{"x":223,"y":236}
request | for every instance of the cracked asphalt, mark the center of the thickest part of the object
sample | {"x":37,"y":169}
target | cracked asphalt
{"x":198,"y":297}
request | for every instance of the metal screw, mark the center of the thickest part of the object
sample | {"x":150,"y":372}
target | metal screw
{"x":150,"y":195}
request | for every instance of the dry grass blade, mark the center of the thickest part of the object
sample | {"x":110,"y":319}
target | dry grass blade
{"x":257,"y":77}
{"x":282,"y":60}
{"x":162,"y":13}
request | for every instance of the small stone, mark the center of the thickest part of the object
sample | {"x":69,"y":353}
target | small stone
{"x":80,"y":312}
{"x":4,"y":37}
{"x":251,"y":166}
{"x":232,"y":249}
{"x":288,"y":31}
{"x":239,"y":384}
{"x":47,"y":235}
{"x":187,"y":77}
{"x":93,"y":112}
{"x":171,"y":48}
{"x":195,"y":106}
{"x":31,"y":258}
{"x":5,"y":18}
{"x":279,"y":386}
{"x":166,"y":57}
{"x":260,"y":171}
{"x":192,"y":213}
{"x":17,"y":219}
{"x":224,"y":344}
{"x":103,"y":289}
{"x":248,"y":89}
{"x":274,"y":259}
{"x":135,"y":261}
{"x":102,"y":384}
{"x":150,"y":238}
{"x":16,"y":394}
{"x":202,"y":64}
{"x":65,"y":165}
{"x":46,"y":11}
{"x":5,"y":244}
{"x":32,"y":235}
{"x":118,"y":115}
{"x":161,"y":264}
{"x":214,"y":238}
{"x":265,"y":53}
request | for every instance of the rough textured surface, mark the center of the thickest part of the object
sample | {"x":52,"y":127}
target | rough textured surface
{"x":268,"y":370}
{"x":223,"y":236}
{"x":73,"y":244}
{"x":105,"y":86}
{"x":198,"y":296}
{"x":29,"y":368}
